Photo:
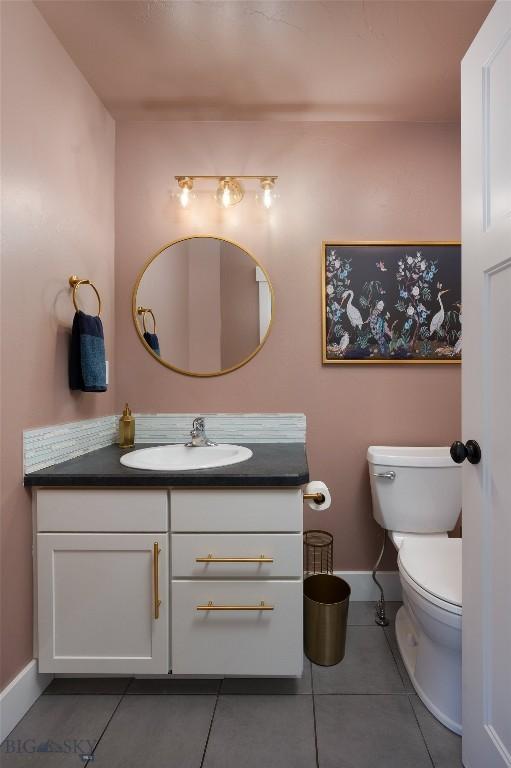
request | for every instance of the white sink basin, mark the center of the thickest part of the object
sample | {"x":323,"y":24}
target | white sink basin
{"x":181,"y":457}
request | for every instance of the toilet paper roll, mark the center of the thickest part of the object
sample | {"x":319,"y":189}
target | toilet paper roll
{"x":318,"y":486}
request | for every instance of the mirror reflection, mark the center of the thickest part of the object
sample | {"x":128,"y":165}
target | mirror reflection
{"x":203,"y":306}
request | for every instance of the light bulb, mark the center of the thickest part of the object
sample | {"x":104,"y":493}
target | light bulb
{"x":184,"y":197}
{"x":184,"y":193}
{"x":226,"y":197}
{"x":267,"y":196}
{"x":229,"y":192}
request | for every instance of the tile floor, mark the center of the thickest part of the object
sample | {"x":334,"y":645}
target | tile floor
{"x":361,"y":713}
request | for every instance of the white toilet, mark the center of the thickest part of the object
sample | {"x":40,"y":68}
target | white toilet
{"x":417,"y":498}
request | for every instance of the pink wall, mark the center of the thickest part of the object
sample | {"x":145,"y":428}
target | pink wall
{"x":57,"y":215}
{"x":240,"y":305}
{"x":337,"y":181}
{"x":164,"y":288}
{"x":204,"y":302}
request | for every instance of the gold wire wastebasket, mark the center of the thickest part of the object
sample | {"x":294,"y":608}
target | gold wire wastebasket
{"x":325,"y":617}
{"x":318,"y":552}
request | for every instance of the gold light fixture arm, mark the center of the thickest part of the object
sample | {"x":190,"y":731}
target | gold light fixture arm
{"x":265,"y":177}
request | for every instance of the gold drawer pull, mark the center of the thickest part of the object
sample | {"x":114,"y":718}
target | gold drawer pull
{"x":211,"y":559}
{"x":156,"y":587}
{"x":210,"y":607}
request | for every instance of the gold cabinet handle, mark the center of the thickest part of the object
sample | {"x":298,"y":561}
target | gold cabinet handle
{"x":211,"y":607}
{"x":211,"y":559}
{"x":156,"y":587}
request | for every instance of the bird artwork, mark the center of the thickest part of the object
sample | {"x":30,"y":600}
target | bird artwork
{"x":438,"y":319}
{"x":353,"y":313}
{"x":392,"y":302}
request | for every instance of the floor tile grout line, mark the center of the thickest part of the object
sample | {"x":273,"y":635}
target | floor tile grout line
{"x":314,"y":716}
{"x":174,"y":693}
{"x":420,"y":729}
{"x":105,"y":729}
{"x":395,"y":661}
{"x":211,"y":725}
{"x":365,"y":693}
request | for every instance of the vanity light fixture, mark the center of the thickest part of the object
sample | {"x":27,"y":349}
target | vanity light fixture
{"x":230,"y":190}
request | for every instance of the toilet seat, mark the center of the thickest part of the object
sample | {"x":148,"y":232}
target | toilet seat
{"x":432,"y":567}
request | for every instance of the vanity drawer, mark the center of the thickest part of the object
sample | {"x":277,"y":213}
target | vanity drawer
{"x":282,"y":552}
{"x":236,"y":641}
{"x":105,"y":511}
{"x":237,"y":510}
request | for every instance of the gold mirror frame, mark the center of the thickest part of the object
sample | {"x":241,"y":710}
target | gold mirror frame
{"x":140,"y":334}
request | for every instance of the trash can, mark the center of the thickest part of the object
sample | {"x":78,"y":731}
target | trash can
{"x":325,"y":616}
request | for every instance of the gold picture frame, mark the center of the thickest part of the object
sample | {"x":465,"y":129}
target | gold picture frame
{"x":375,"y":301}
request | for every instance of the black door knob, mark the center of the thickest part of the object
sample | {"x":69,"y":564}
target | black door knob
{"x":461,"y":451}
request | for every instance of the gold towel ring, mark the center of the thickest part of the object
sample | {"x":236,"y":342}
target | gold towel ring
{"x":147,"y":311}
{"x":75,"y":282}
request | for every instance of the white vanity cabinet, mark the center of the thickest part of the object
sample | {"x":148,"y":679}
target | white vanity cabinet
{"x":102,"y":581}
{"x":115,"y":569}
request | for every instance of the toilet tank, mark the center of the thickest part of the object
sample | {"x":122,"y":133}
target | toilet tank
{"x":414,"y":490}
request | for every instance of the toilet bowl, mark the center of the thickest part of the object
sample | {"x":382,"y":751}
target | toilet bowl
{"x":417,"y":497}
{"x":428,"y":626}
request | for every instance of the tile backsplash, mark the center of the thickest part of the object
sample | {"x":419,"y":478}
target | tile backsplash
{"x":46,"y":446}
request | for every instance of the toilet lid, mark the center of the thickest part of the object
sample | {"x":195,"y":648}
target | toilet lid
{"x":435,"y":565}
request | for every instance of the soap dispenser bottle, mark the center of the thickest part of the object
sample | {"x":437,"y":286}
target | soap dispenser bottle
{"x":127,"y":428}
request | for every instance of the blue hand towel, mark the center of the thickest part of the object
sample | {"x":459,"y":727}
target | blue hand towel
{"x":87,"y":365}
{"x":152,"y":340}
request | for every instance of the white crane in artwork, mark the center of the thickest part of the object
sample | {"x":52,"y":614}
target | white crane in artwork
{"x":354,"y":315}
{"x":438,"y":319}
{"x":457,"y":346}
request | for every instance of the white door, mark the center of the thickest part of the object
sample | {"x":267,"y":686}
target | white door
{"x":486,"y":385}
{"x":103,"y":603}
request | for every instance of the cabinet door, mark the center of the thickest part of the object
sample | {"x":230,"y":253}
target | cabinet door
{"x":257,"y":631}
{"x":98,"y":609}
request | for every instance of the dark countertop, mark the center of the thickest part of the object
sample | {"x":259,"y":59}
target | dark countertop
{"x":273,"y":464}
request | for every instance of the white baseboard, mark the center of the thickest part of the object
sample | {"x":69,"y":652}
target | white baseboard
{"x":17,"y":697}
{"x":364,"y":588}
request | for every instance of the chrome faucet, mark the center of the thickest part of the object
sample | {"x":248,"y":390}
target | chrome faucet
{"x":198,"y":435}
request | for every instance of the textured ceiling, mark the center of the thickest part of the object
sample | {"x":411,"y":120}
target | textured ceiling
{"x":313,"y":60}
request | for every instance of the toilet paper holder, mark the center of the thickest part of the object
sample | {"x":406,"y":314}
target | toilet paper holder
{"x":318,"y":498}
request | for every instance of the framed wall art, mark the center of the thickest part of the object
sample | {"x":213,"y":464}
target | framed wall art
{"x":391,"y":302}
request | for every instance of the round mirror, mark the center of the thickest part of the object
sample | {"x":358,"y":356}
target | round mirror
{"x":202,"y":306}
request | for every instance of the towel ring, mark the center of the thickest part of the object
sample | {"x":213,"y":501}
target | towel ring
{"x":75,"y":282}
{"x":147,"y":311}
